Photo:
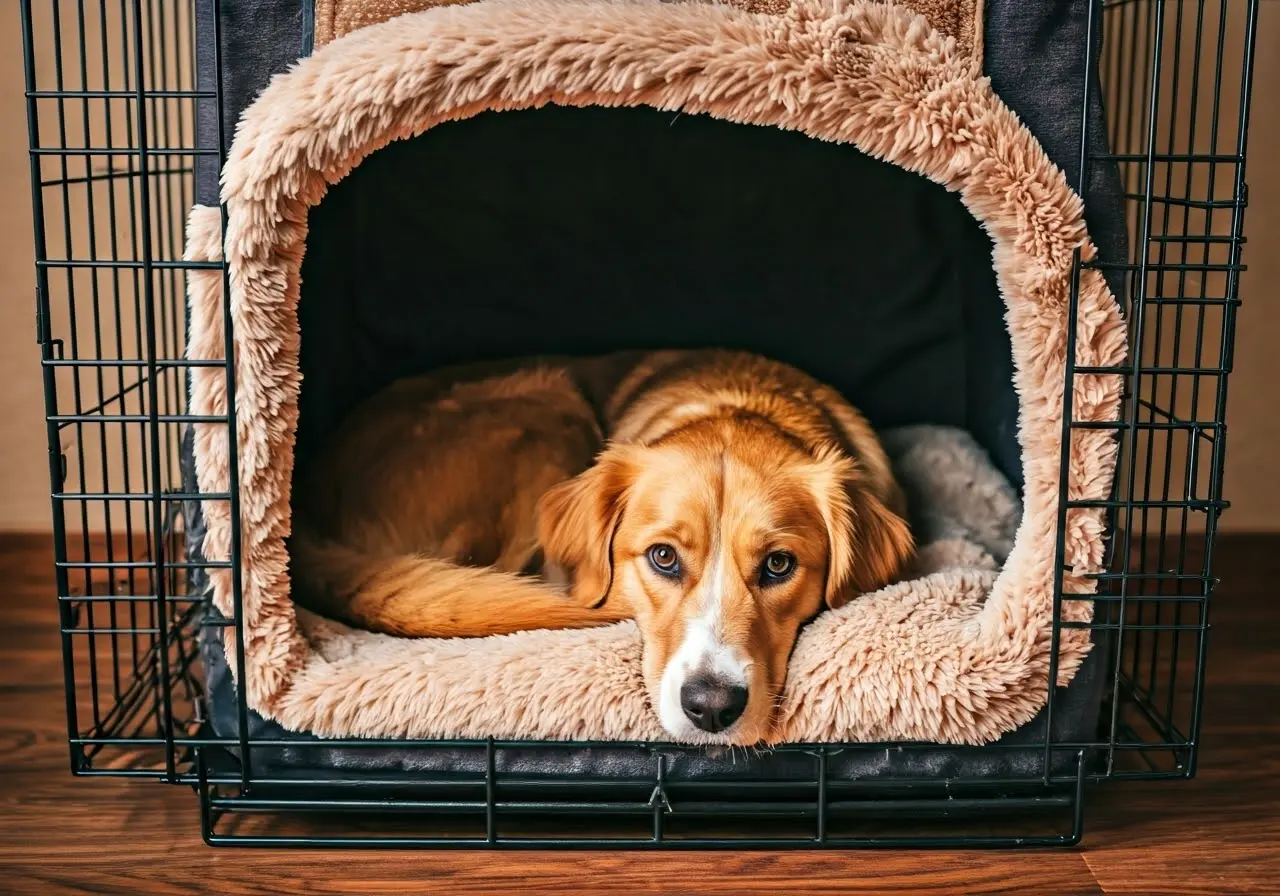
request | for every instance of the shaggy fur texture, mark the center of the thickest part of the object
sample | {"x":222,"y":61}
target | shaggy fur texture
{"x":959,"y":656}
{"x":972,"y":515}
{"x":961,"y":19}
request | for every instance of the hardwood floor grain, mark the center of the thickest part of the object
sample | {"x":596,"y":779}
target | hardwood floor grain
{"x":1217,"y":834}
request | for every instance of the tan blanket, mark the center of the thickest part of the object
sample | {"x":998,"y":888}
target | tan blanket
{"x":961,"y":19}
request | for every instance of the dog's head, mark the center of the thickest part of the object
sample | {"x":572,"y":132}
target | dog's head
{"x":721,"y":540}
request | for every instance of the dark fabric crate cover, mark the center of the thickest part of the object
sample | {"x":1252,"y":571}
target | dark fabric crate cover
{"x":560,"y":226}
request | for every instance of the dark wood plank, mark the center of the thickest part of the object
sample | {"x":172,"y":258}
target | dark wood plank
{"x":1220,"y":832}
{"x":1217,"y":834}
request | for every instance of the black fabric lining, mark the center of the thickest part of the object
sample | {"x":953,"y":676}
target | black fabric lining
{"x":627,"y":229}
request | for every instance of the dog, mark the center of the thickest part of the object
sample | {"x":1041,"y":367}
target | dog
{"x":719,"y":499}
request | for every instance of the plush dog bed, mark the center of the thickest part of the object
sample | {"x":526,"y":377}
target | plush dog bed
{"x":960,"y":655}
{"x":966,"y":518}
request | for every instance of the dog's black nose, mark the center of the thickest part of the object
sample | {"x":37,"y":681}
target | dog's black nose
{"x":710,"y":704}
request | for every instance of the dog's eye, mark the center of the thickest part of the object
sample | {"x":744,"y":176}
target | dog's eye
{"x":777,"y":566}
{"x":664,"y":559}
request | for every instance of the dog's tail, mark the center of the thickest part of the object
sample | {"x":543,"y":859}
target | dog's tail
{"x":418,"y":596}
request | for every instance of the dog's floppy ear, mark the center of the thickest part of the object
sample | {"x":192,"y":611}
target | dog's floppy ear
{"x":870,"y":544}
{"x":577,"y":520}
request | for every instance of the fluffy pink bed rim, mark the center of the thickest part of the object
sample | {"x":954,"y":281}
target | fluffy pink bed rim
{"x":951,"y":657}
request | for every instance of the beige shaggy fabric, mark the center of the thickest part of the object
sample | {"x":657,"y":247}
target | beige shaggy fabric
{"x":959,"y":657}
{"x":961,"y":19}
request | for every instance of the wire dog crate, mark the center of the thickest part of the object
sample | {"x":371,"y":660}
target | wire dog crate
{"x":112,"y":97}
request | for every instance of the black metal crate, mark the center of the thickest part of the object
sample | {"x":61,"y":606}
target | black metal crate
{"x":112,"y":98}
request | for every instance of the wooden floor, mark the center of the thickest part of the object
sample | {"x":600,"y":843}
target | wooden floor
{"x":1217,"y":834}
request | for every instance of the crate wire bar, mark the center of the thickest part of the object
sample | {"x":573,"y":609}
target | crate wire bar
{"x":111,"y":95}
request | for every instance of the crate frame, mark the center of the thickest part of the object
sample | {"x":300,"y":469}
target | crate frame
{"x":130,"y":617}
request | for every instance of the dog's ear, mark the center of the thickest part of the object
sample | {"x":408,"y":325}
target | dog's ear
{"x":577,"y":520}
{"x":870,"y":545}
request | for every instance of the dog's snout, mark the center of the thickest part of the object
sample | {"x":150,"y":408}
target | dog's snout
{"x":711,"y":704}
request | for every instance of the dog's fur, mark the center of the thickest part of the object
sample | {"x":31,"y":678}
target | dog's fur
{"x":488,"y":500}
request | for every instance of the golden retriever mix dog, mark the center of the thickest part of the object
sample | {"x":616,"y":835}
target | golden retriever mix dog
{"x":719,"y":499}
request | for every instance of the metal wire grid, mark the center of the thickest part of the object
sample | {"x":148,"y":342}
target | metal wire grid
{"x":103,"y":84}
{"x":1177,"y":78}
{"x":111,"y":96}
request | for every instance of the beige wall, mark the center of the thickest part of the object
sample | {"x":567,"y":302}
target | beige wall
{"x":24,"y":476}
{"x":1252,"y":484}
{"x":1253,"y":412}
{"x":104,"y":298}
